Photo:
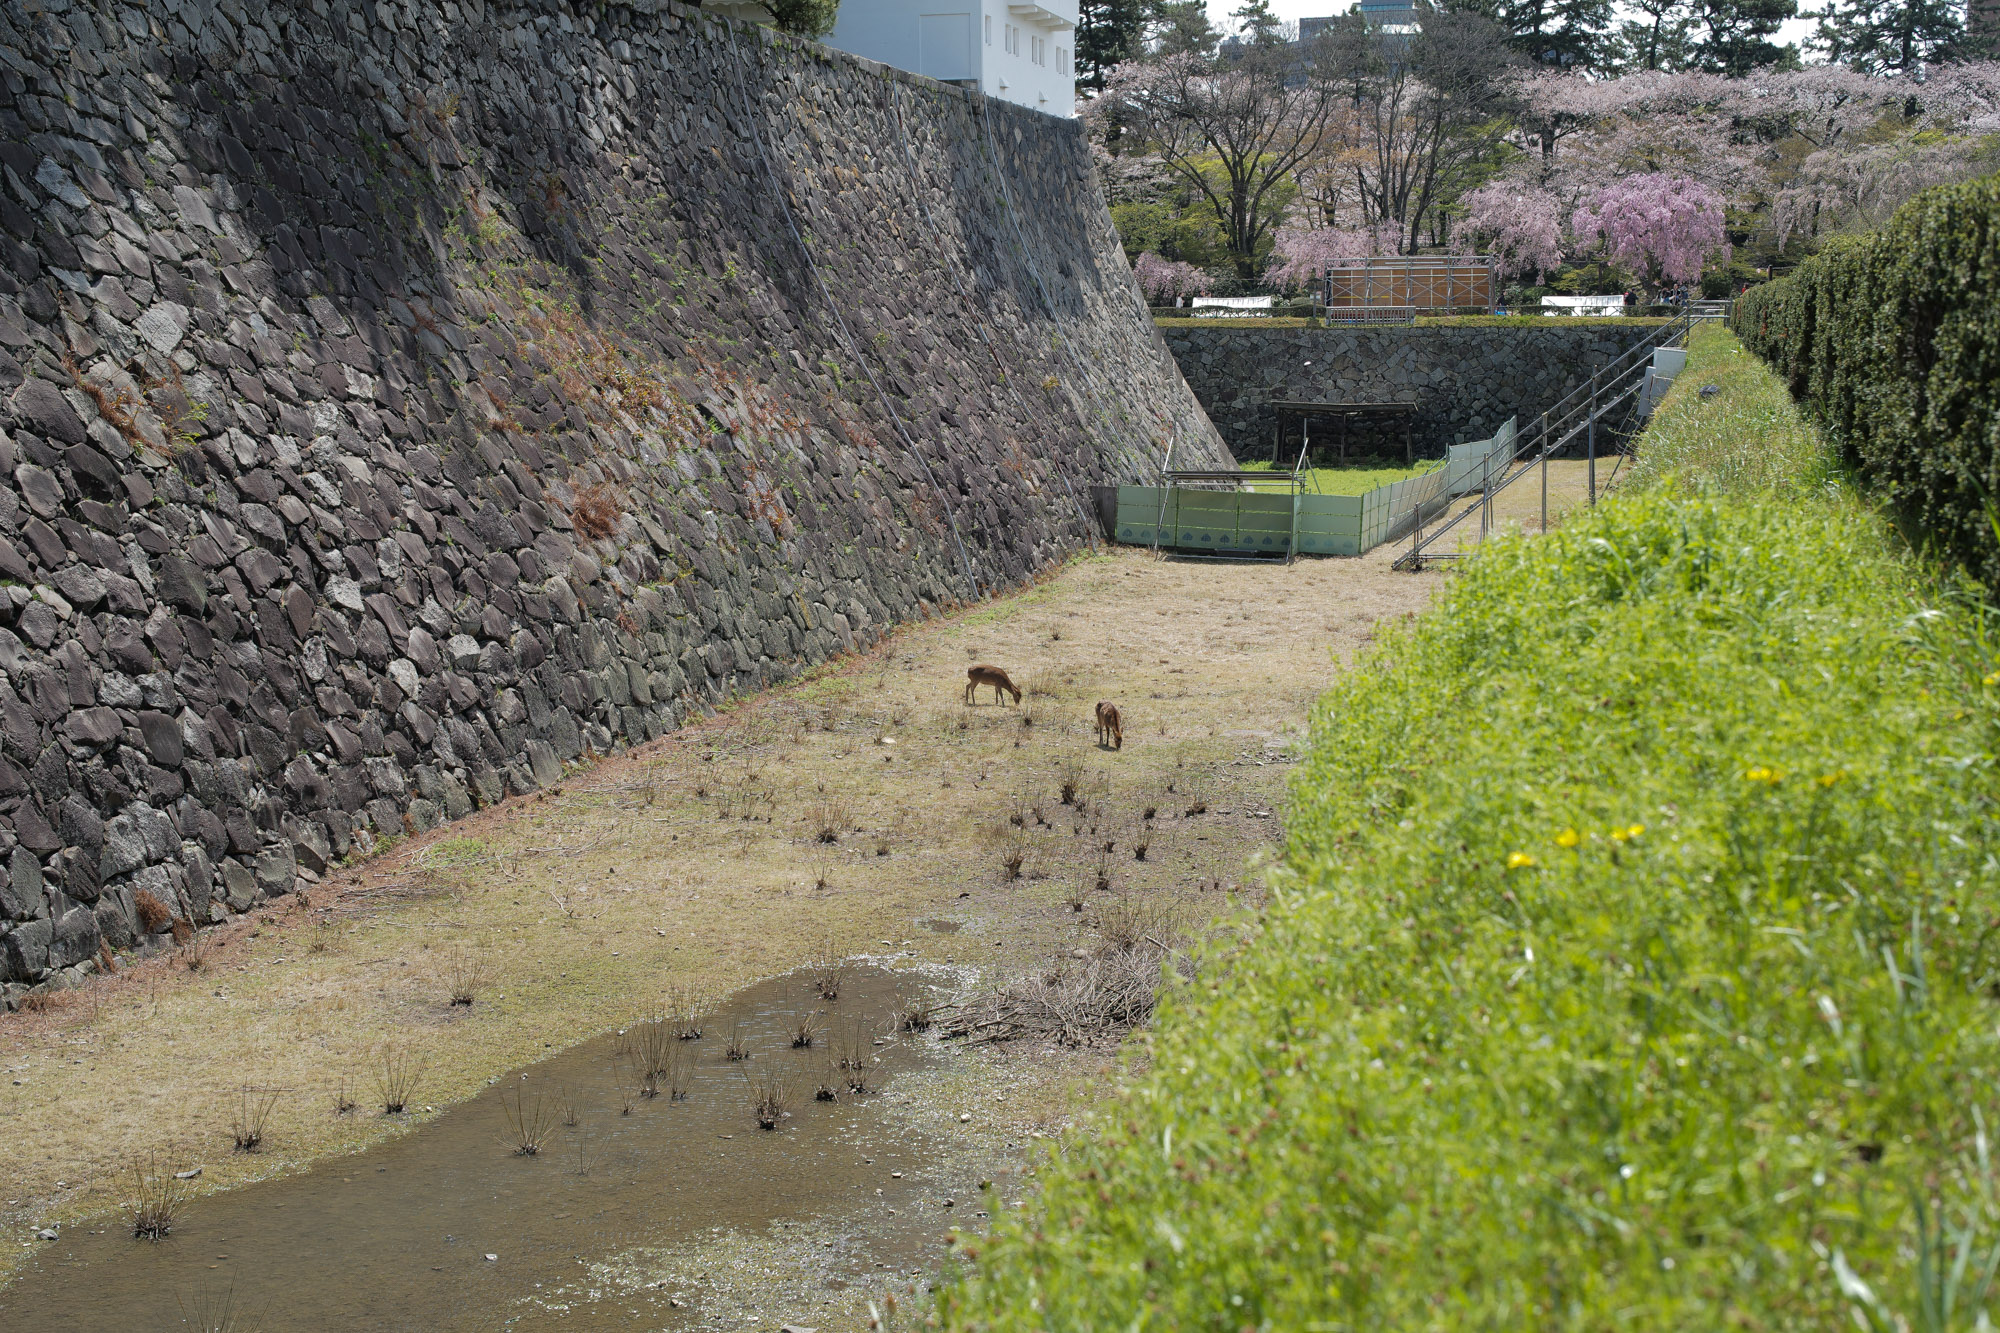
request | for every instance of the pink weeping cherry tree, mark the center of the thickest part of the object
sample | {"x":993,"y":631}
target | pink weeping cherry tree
{"x":1667,"y":227}
{"x":1299,"y":255}
{"x":1164,"y":280}
{"x":1518,"y":224}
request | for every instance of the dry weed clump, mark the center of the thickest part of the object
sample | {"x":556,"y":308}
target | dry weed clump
{"x":736,"y":1049}
{"x":396,"y":1081}
{"x":686,"y":1009}
{"x":852,"y":1056}
{"x":529,"y":1124}
{"x":596,"y":512}
{"x":653,"y":1044}
{"x":827,"y":819}
{"x":829,"y":970}
{"x":323,"y":934}
{"x":153,"y":914}
{"x":158,"y":1193}
{"x":805,"y":1027}
{"x":1082,"y":1002}
{"x":770,"y":1096}
{"x":464,"y":975}
{"x":253,"y":1113}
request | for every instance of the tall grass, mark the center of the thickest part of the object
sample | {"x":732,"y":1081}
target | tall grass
{"x":1634,"y":964}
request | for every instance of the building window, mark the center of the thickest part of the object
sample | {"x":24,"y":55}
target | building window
{"x":1062,"y":60}
{"x":988,"y":24}
{"x":1013,"y":40}
{"x":1037,"y":47}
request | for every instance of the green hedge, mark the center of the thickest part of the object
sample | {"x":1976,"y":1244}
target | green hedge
{"x":1893,"y":341}
{"x":1635,"y":964}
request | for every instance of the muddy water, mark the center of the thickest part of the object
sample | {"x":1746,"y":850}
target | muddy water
{"x":447,"y":1228}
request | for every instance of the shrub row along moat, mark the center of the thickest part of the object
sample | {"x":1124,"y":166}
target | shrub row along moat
{"x":1635,"y":952}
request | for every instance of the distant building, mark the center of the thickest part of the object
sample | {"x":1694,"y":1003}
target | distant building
{"x":1396,"y":16}
{"x":1023,"y":53}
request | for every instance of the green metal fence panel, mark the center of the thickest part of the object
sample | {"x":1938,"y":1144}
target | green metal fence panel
{"x":1232,"y":521}
{"x":1330,"y":524}
{"x":1139,"y":514}
{"x":1252,"y":521}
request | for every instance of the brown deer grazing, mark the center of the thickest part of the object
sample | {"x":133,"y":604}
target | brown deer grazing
{"x":1109,"y":729}
{"x":989,"y":675}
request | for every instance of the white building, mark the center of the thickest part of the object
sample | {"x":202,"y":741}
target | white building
{"x":1024,"y":53}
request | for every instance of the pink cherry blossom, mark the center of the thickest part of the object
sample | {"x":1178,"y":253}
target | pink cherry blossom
{"x":1520,"y":225}
{"x":1656,"y":223}
{"x":1301,"y":254}
{"x":1168,"y":279}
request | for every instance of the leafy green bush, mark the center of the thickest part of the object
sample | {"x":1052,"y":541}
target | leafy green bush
{"x":1893,"y":340}
{"x":807,"y":18}
{"x":1634,"y":964}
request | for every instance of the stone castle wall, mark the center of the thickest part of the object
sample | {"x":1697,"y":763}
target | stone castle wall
{"x":399,"y":400}
{"x":1465,"y":380}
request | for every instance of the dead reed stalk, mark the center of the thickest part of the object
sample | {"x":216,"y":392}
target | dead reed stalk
{"x":158,"y":1192}
{"x":396,"y":1081}
{"x":829,"y":970}
{"x":529,"y":1124}
{"x":253,"y":1112}
{"x":653,"y":1041}
{"x":464,"y":975}
{"x":770,"y":1096}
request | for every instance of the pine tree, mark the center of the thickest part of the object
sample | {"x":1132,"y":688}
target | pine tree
{"x":1256,"y":20}
{"x":1562,"y":34}
{"x":1662,"y":37}
{"x":1877,"y":36}
{"x":1181,"y":27}
{"x":1107,"y":31}
{"x":1736,"y":34}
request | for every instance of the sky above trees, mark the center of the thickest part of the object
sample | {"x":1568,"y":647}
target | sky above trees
{"x":1794,"y":31}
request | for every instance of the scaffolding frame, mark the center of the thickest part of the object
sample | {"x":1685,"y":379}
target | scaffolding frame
{"x":1401,"y":287}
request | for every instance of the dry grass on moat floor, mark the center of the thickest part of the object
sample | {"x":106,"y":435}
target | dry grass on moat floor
{"x":695,"y":863}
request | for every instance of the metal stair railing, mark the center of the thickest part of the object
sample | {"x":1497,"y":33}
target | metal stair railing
{"x":1575,"y":414}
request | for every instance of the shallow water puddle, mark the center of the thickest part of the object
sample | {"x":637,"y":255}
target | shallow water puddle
{"x":616,"y":1222}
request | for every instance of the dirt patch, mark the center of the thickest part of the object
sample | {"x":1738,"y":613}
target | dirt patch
{"x":831,"y":817}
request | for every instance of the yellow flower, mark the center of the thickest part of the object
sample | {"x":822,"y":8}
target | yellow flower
{"x":1992,"y":678}
{"x":1519,"y":860}
{"x":1770,"y":777}
{"x":1828,"y":779}
{"x":1635,"y":830}
{"x":1569,"y":837}
{"x":1618,"y":835}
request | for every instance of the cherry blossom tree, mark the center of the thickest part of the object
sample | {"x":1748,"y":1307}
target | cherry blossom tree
{"x":1520,"y":225}
{"x":1163,"y":280}
{"x":1302,"y":254}
{"x":1666,"y":226}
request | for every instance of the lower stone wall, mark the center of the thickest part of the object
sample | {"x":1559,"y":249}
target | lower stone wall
{"x":1465,"y":381}
{"x":400,"y":399}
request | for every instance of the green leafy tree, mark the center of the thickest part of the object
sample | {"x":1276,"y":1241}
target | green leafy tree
{"x":807,"y":18}
{"x":1256,"y":20}
{"x":1662,"y":36}
{"x":1181,"y":28}
{"x":1561,"y":34}
{"x":1735,"y":35}
{"x":1880,"y":36}
{"x":1107,"y":31}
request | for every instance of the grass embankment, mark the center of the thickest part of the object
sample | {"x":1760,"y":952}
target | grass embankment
{"x":1634,"y":967}
{"x":1348,"y":480}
